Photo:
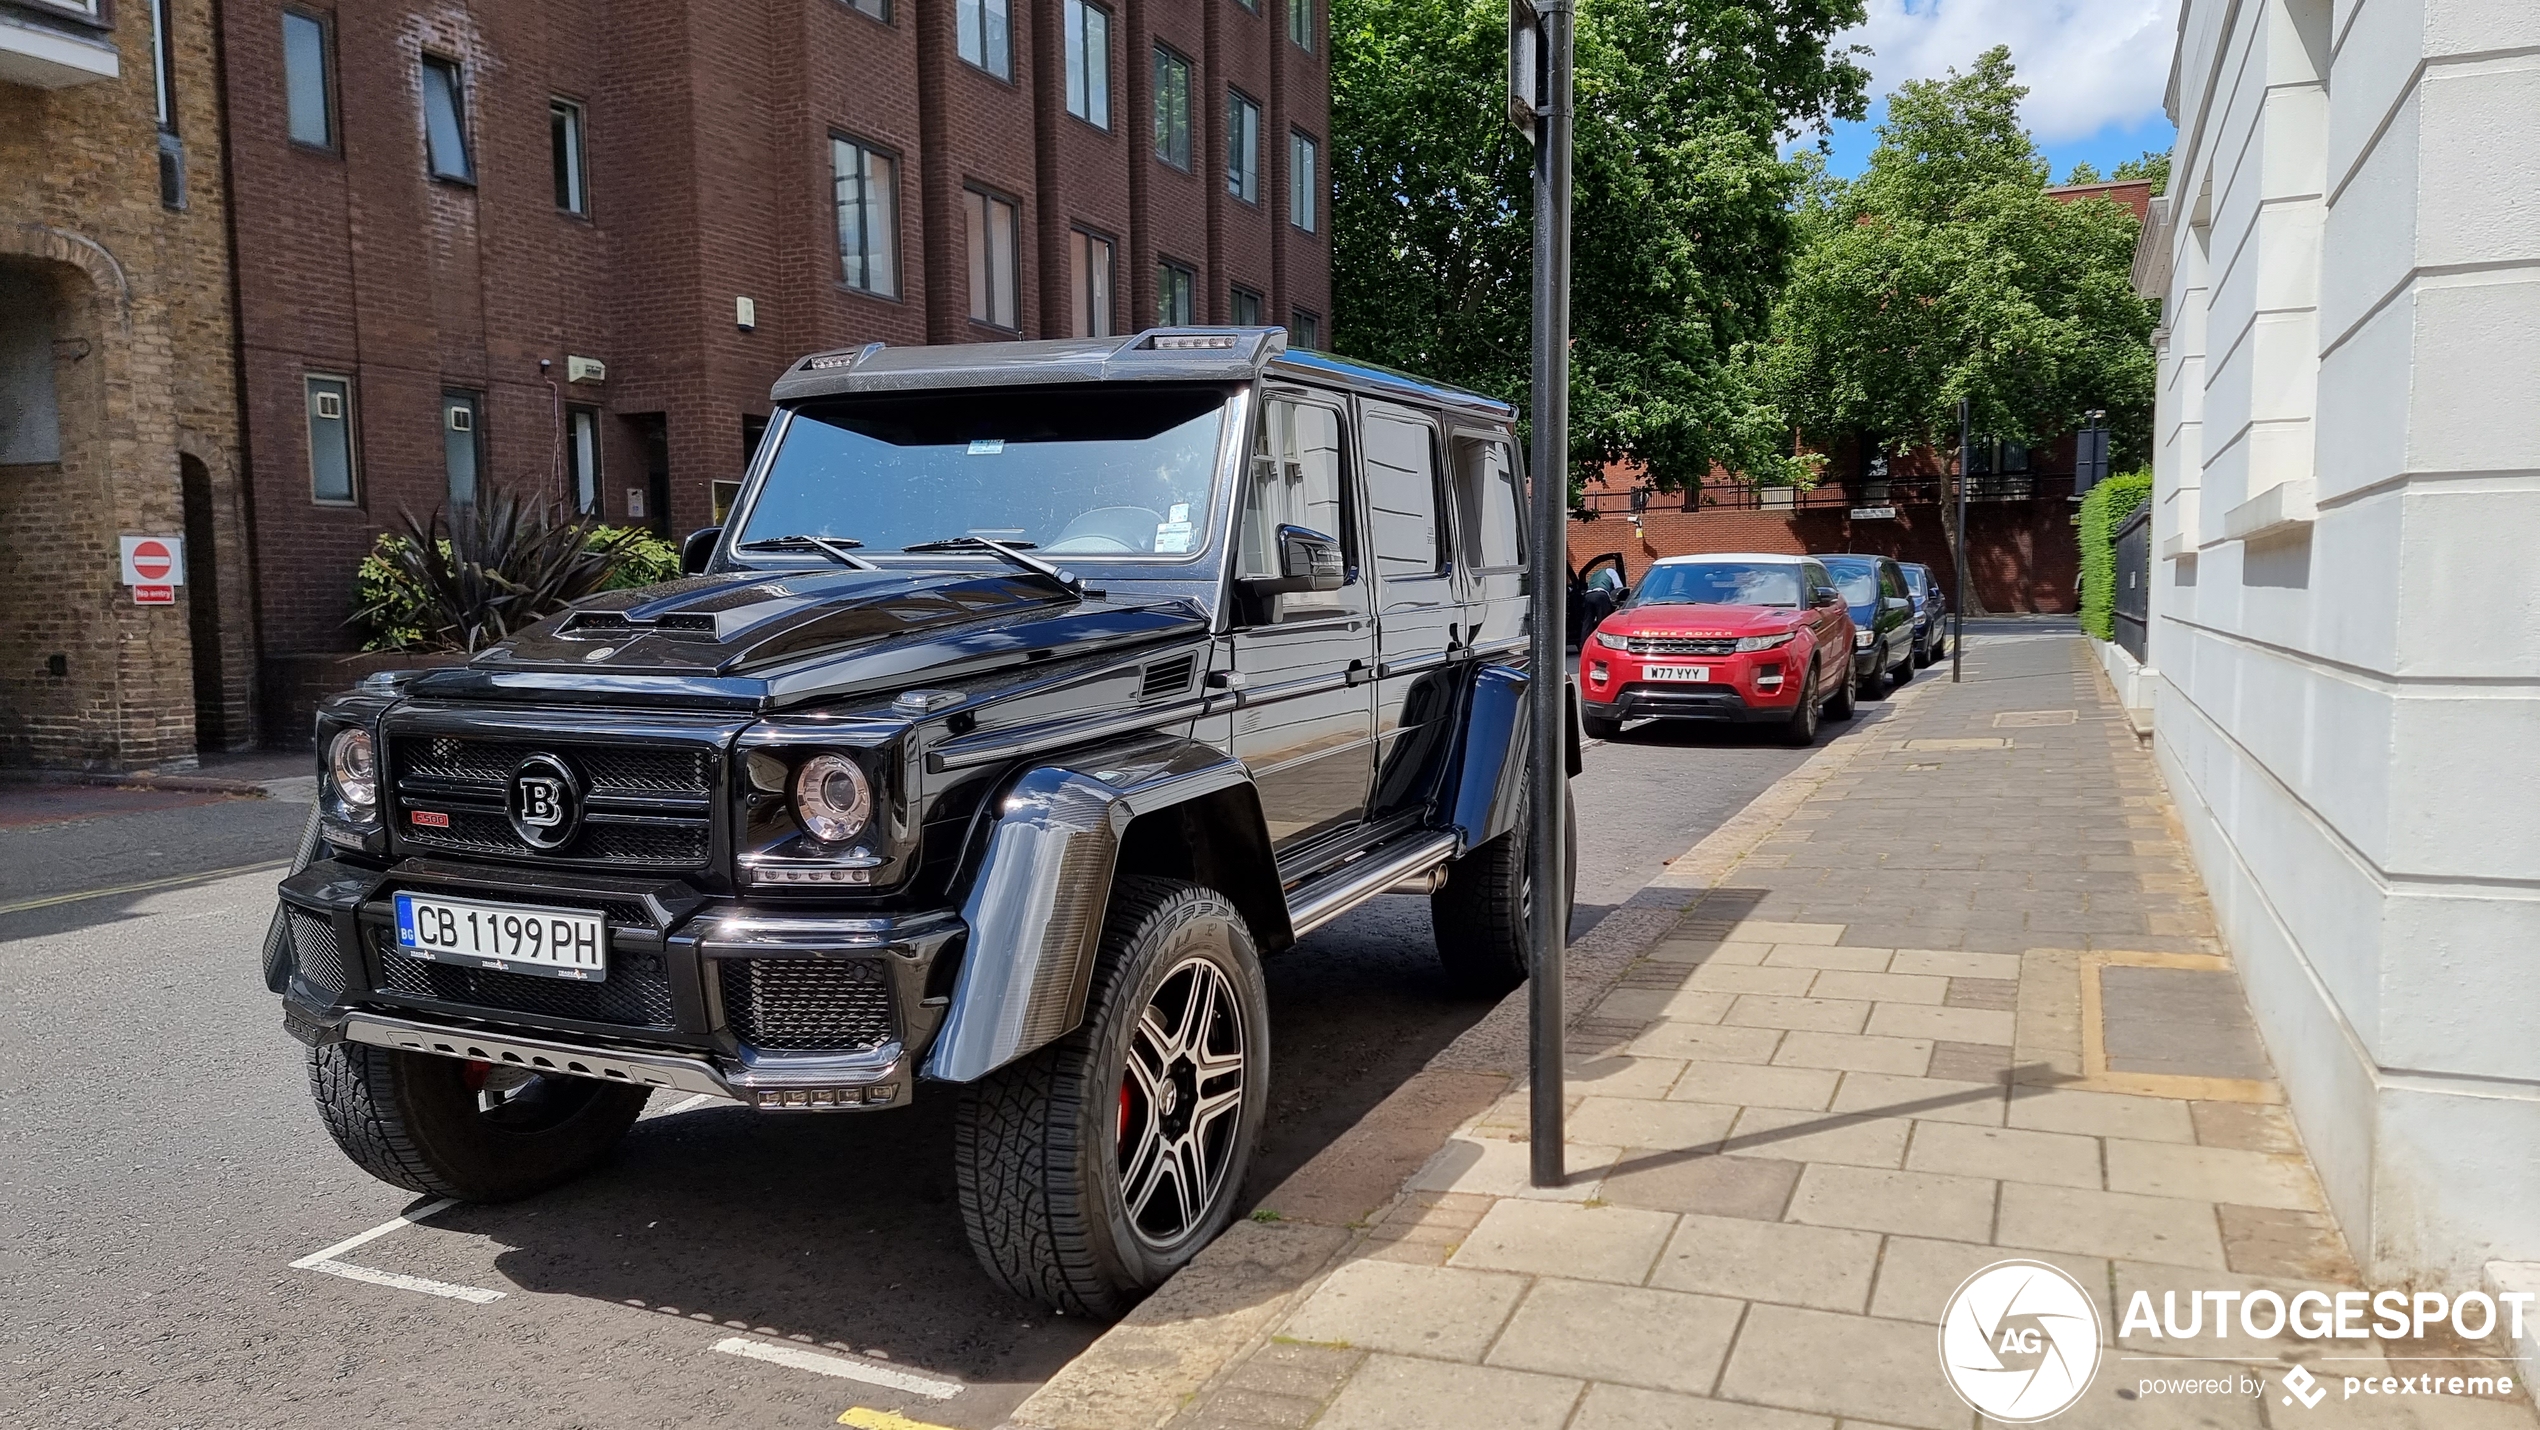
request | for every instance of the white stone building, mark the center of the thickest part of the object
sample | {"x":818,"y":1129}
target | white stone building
{"x":2344,"y":647}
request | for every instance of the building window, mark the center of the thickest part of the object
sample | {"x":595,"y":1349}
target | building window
{"x":1088,"y":62}
{"x":983,"y":36}
{"x":878,"y":9}
{"x":1305,"y":330}
{"x":1301,"y":193}
{"x":866,"y":182}
{"x":445,"y":120}
{"x":1243,"y":147}
{"x":162,"y":66}
{"x":564,"y":136}
{"x":1172,"y":108}
{"x":994,"y":295}
{"x":1243,"y":308}
{"x":1301,"y":23}
{"x":333,"y":467}
{"x":307,"y":82}
{"x":1089,"y":283}
{"x":462,"y":442}
{"x":1173,"y":284}
{"x":582,"y":457}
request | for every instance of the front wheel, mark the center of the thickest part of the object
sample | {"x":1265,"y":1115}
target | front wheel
{"x":1479,"y":915}
{"x":475,"y":1131}
{"x":1600,"y":727}
{"x":1095,"y":1168}
{"x":1802,"y":730}
{"x":1847,"y":697}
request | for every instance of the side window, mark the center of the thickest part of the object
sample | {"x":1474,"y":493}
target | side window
{"x":1816,"y":576}
{"x":1295,"y":480}
{"x":1486,"y":503}
{"x":1402,"y":495}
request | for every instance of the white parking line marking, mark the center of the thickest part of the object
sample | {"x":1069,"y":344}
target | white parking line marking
{"x":823,"y":1363}
{"x":407,"y":1219}
{"x":474,"y":1295}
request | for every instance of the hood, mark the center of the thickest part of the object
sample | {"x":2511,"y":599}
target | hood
{"x":1701,"y":621}
{"x":764,"y":639}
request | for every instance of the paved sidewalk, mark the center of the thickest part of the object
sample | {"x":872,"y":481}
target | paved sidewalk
{"x":1963,"y":1004}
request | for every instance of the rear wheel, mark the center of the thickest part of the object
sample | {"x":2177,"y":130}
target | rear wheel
{"x":475,"y":1131}
{"x":1480,"y":914}
{"x":1095,"y":1168}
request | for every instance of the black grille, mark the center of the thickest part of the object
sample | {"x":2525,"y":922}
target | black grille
{"x":610,"y":769}
{"x":1681,"y":645}
{"x":636,"y":993}
{"x":1167,"y":677}
{"x":807,"y":1005}
{"x":319,"y":953}
{"x":660,"y":844}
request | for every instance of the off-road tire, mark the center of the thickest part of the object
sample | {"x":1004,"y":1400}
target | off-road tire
{"x":1802,"y":729}
{"x":1034,"y":1142}
{"x":1600,"y":727}
{"x":412,"y":1121}
{"x":1847,"y":700}
{"x":1478,"y":914}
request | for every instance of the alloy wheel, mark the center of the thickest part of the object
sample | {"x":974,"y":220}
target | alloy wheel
{"x":1181,"y":1102}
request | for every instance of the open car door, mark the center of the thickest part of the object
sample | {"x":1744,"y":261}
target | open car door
{"x":1590,"y":605}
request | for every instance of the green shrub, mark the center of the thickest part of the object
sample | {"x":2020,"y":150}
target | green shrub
{"x":643,"y":559}
{"x":502,"y":566}
{"x":2103,"y":515}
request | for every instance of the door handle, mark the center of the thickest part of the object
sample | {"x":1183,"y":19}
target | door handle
{"x":1358,"y":673}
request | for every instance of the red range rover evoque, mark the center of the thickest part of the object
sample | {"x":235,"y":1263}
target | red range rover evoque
{"x":1724,"y":636}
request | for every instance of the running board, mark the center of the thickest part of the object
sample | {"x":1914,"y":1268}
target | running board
{"x":1345,"y":888}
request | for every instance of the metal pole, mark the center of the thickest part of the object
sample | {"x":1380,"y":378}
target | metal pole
{"x":1547,"y":934}
{"x":1958,"y":600}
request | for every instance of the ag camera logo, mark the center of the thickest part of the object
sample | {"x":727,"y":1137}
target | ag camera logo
{"x":2020,"y":1341}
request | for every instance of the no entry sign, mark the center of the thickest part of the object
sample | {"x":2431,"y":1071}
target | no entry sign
{"x":154,"y":566}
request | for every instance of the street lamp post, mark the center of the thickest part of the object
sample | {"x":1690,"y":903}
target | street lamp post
{"x":1958,"y":599}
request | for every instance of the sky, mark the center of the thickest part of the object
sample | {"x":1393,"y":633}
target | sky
{"x":2094,"y":69}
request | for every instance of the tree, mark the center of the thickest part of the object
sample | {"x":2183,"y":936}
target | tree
{"x":1681,"y":211}
{"x":2155,"y":167}
{"x":1945,"y":271}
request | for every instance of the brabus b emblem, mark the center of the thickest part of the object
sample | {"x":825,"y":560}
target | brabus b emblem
{"x":544,"y":802}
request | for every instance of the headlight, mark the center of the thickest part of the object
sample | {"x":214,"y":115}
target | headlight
{"x":1762,"y":642}
{"x":1613,"y":642}
{"x":832,"y":798}
{"x":1861,"y":640}
{"x":355,"y":770}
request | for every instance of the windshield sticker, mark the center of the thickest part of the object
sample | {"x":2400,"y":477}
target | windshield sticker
{"x":987,"y":446}
{"x":1173,"y":538}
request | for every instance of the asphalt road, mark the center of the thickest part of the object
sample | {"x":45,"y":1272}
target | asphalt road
{"x":161,"y":1168}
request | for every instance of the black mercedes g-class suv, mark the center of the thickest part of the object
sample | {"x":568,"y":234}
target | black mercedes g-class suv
{"x":1031,"y":692}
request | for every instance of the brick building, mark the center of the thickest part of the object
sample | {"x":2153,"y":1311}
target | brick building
{"x":445,"y":209}
{"x":118,"y":408}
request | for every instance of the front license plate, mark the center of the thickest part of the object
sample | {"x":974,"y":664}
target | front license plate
{"x":1691,"y":674}
{"x":551,"y":943}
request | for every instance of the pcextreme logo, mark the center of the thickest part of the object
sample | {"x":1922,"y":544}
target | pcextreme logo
{"x":2020,"y":1341}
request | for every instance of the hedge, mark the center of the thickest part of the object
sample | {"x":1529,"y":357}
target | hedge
{"x":2103,"y":515}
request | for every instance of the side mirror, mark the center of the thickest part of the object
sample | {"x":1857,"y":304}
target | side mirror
{"x":698,"y":549}
{"x":1897,"y":603}
{"x":1308,"y":561}
{"x":1829,"y":596}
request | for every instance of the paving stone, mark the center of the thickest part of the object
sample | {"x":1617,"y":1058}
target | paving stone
{"x":2101,"y":1114}
{"x":1918,"y":1275}
{"x":2270,"y":1241}
{"x":2212,"y":1174}
{"x":1998,"y":994}
{"x":1666,"y":1340}
{"x":1600,"y":1243}
{"x":1971,"y":1062}
{"x":1929,"y":1099}
{"x":1851,"y":1052}
{"x":2007,"y":1154}
{"x":1311,"y":1372}
{"x":1785,"y":1262}
{"x":1882,"y":987}
{"x":1957,"y":1025}
{"x":2118,"y":1225}
{"x":2250,"y":1126}
{"x":1642,"y":1122}
{"x":1619,"y":1075}
{"x":1763,"y":931}
{"x":1398,"y":1393}
{"x":1787,"y":1356}
{"x":1825,"y":956}
{"x":1414,"y":1310}
{"x":1737,"y":978}
{"x":1757,"y":1188}
{"x":1756,"y":1085}
{"x":1877,"y":1199}
{"x":1234,"y":1406}
{"x":1819,"y":1137}
{"x":1624,"y":1407}
{"x":1495,"y":1167}
{"x":1697,"y":1042}
{"x":1819,"y":1015}
{"x":1708,"y":951}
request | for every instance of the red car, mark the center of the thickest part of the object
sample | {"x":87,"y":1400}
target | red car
{"x":1725,"y":636}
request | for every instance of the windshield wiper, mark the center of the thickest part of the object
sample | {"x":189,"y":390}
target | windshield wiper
{"x":836,"y":548}
{"x":1010,"y":553}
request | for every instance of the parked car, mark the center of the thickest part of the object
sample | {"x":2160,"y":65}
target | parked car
{"x":1596,"y":588}
{"x":1032,"y":693}
{"x":1882,"y":618}
{"x":1931,"y":612}
{"x":1728,"y":636}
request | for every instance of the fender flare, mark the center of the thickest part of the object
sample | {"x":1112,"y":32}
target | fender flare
{"x":1035,"y":907}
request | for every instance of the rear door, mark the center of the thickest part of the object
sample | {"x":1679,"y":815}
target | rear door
{"x":1419,"y":608}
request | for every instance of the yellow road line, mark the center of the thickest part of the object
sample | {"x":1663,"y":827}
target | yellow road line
{"x":144,"y":886}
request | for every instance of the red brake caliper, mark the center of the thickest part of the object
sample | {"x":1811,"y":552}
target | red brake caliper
{"x":1122,"y":1135}
{"x":475,"y":1073}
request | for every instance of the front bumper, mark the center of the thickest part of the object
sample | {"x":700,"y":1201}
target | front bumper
{"x":776,"y":1009}
{"x":1745,"y":686}
{"x":1687,"y":702}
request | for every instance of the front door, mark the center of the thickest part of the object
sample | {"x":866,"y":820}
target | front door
{"x":1419,"y":611}
{"x":1306,"y":723}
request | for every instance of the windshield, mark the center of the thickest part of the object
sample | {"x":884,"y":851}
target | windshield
{"x":1720,"y":583}
{"x":1857,"y":580}
{"x":1917,"y":580}
{"x":1118,"y":470}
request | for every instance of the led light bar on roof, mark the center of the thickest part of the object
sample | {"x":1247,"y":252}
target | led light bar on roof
{"x":1183,"y":342}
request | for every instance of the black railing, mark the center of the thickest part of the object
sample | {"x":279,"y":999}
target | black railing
{"x":2133,"y":594}
{"x":1831,"y":496}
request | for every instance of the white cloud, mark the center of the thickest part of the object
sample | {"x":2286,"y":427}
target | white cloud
{"x":2087,"y":63}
